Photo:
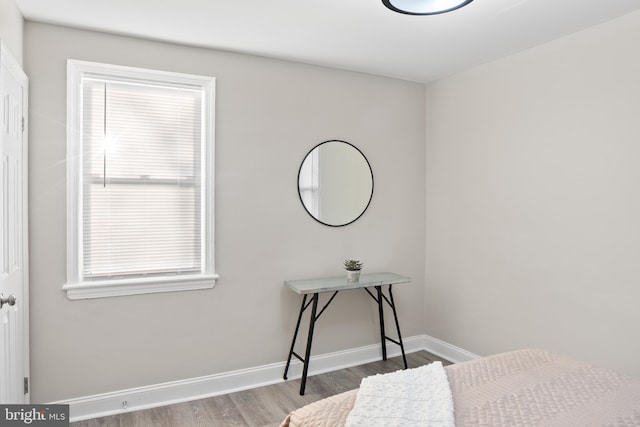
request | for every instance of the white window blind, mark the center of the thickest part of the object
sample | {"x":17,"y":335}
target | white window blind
{"x":142,"y":180}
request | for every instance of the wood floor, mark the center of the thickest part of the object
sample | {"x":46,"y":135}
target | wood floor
{"x":259,"y":407}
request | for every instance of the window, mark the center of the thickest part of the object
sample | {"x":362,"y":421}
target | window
{"x":139,"y":181}
{"x":309,"y":183}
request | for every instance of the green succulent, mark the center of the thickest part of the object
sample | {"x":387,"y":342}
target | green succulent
{"x":352,"y":265}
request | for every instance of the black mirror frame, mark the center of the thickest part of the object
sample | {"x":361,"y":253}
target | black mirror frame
{"x":372,"y":183}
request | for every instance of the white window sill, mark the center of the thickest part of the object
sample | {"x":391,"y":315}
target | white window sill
{"x":113,"y":288}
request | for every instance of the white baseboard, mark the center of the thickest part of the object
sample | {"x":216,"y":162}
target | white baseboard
{"x":447,"y":351}
{"x":214,"y":385}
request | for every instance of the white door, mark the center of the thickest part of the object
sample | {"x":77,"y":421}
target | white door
{"x":14,"y":328}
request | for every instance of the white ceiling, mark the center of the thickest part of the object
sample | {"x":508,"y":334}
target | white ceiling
{"x":358,"y":35}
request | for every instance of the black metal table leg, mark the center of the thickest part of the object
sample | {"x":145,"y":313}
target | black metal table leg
{"x":295,"y":335}
{"x":313,"y":318}
{"x":379,"y":298}
{"x":307,"y":355}
{"x":395,"y":316}
{"x":383,"y":339}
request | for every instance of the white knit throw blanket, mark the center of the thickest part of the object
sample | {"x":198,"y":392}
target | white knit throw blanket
{"x":412,"y":397}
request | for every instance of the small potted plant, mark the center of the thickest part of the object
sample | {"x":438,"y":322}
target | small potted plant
{"x":353,"y":267}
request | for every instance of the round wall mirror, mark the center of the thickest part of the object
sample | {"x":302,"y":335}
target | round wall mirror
{"x":335,"y":183}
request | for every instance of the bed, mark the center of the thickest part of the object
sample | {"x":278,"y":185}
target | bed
{"x":521,"y":388}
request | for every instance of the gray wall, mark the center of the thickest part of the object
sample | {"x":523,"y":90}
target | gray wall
{"x":11,"y":25}
{"x":531,"y":210}
{"x":269,"y":114}
{"x":533,"y":207}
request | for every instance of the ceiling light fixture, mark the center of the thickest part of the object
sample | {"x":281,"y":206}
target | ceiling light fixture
{"x":424,"y":7}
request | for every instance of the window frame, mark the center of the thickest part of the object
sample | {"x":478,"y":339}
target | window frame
{"x":75,"y":286}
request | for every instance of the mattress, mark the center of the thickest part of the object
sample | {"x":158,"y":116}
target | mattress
{"x":520,"y":388}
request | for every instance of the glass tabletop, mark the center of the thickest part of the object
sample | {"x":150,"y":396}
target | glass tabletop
{"x":340,"y":283}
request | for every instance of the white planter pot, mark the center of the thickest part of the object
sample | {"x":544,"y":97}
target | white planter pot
{"x":353,"y":276}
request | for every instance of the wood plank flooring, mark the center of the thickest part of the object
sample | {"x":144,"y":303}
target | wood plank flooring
{"x":260,"y":407}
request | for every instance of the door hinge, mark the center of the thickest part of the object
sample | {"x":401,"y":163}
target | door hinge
{"x":26,"y":385}
{"x":22,"y":124}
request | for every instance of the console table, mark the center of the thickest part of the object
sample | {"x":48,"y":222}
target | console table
{"x":314,"y":287}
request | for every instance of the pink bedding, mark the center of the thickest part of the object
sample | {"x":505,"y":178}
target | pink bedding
{"x":519,"y":388}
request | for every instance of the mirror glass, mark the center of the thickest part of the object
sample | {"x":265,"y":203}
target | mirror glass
{"x":335,"y":183}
